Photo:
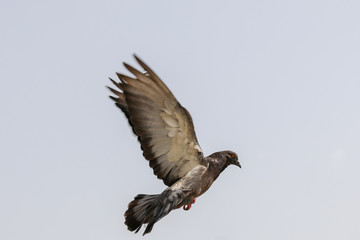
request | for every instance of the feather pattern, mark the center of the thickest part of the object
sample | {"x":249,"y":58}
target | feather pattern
{"x":164,"y":128}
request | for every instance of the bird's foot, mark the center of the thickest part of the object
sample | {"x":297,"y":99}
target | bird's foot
{"x":188,"y":206}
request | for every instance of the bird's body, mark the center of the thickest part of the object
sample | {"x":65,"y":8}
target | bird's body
{"x":166,"y":133}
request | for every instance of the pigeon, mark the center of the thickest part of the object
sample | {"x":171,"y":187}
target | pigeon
{"x":167,"y":137}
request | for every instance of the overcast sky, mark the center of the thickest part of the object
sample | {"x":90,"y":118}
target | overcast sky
{"x":278,"y":82}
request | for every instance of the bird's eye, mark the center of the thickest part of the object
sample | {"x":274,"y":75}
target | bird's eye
{"x":233,"y":156}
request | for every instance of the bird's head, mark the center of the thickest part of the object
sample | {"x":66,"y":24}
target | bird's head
{"x":232,"y":158}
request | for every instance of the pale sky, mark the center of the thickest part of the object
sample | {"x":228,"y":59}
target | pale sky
{"x":278,"y":82}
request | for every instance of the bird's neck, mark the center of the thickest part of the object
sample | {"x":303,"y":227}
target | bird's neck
{"x":217,"y":166}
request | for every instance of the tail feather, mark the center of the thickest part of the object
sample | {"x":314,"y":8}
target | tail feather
{"x":148,"y":209}
{"x":140,"y":211}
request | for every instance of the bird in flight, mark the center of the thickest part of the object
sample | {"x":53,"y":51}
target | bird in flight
{"x":166,"y":133}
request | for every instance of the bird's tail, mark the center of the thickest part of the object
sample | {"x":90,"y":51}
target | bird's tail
{"x":148,"y":209}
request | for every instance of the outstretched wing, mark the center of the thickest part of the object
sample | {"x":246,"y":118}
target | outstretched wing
{"x":164,"y":128}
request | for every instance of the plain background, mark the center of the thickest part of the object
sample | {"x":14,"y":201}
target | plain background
{"x":276,"y":81}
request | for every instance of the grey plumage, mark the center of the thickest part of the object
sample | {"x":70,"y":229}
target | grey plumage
{"x":166,"y":133}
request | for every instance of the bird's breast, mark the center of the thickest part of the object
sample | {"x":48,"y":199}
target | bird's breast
{"x":193,"y":184}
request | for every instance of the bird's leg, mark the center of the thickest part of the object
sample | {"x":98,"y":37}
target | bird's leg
{"x":188,"y":206}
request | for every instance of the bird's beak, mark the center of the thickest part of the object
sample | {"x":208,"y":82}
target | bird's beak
{"x":237,"y":164}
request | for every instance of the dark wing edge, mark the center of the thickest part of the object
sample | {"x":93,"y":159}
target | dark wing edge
{"x":164,"y":128}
